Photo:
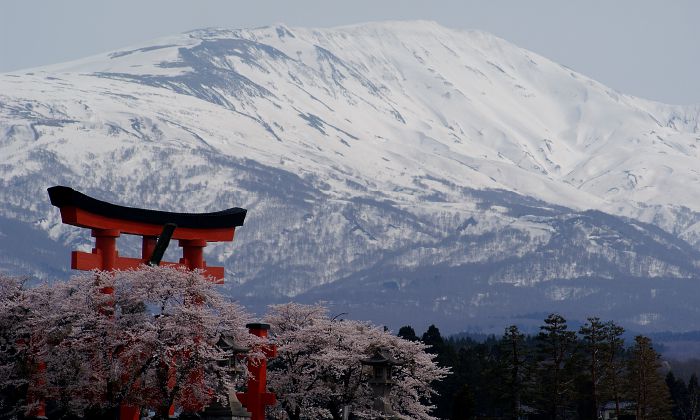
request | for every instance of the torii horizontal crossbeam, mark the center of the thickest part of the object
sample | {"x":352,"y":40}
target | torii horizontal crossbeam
{"x":108,"y":221}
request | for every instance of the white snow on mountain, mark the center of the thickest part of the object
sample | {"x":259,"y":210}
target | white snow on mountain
{"x":356,"y":149}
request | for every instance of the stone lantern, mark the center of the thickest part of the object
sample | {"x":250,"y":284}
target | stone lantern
{"x":235,"y":410}
{"x":381,"y":379}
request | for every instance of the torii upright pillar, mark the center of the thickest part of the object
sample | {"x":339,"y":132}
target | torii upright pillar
{"x":256,"y":398}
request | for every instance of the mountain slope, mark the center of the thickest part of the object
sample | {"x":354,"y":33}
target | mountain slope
{"x":366,"y":152}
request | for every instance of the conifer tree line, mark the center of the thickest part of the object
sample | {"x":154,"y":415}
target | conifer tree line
{"x":559,"y":373}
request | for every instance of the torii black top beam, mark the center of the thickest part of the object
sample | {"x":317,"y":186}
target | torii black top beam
{"x":68,"y":197}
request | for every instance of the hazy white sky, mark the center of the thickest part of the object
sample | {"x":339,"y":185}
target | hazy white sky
{"x":641,"y":47}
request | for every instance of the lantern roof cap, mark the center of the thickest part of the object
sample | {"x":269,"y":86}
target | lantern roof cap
{"x":381,"y":357}
{"x":228,"y":343}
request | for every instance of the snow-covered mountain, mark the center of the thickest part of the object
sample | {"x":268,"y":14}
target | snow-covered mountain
{"x":399,"y":170}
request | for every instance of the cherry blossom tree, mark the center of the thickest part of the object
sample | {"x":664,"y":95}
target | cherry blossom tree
{"x":318,"y":370}
{"x":22,"y":372}
{"x":141,"y":338}
{"x":13,"y":355}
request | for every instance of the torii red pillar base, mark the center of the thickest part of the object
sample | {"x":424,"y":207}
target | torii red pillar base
{"x":256,"y":398}
{"x":128,"y":412}
{"x":37,"y":406}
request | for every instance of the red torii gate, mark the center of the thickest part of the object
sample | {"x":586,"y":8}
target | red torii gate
{"x":193,"y":230}
{"x":108,"y":221}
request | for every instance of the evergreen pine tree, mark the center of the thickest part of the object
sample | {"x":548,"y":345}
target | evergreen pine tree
{"x":679,"y":396}
{"x":593,"y":333}
{"x":433,"y":338}
{"x":611,"y":388}
{"x":464,"y":404}
{"x":513,"y":358}
{"x":555,"y":370}
{"x":692,"y":410}
{"x":649,"y":391}
{"x":408,"y":333}
{"x":445,"y":358}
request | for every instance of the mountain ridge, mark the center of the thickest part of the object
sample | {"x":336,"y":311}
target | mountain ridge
{"x":396,"y":147}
